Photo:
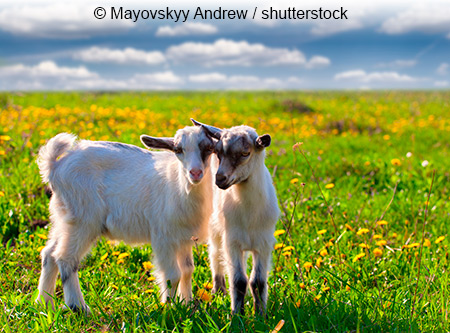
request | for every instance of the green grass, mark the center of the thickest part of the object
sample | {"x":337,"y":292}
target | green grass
{"x":366,"y":144}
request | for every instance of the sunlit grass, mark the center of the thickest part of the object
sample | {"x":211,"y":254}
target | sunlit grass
{"x":352,"y":265}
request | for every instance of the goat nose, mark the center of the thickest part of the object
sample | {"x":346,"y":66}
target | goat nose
{"x":196,"y":173}
{"x":220,"y":178}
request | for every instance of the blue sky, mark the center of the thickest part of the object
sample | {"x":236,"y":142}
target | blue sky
{"x":54,"y":45}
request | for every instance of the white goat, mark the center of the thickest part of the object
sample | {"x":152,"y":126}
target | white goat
{"x":244,"y":215}
{"x":126,"y":193}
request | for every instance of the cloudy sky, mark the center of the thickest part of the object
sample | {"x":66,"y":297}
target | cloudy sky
{"x":60,"y":45}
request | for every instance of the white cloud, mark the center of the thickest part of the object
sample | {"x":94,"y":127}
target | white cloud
{"x":328,"y":27}
{"x":443,"y":69}
{"x":46,"y":69}
{"x":159,"y":78}
{"x":148,"y":81}
{"x":441,"y":84}
{"x":397,"y":63}
{"x":217,"y":80}
{"x":44,"y":75}
{"x":224,"y":52}
{"x":58,"y":20}
{"x":423,"y":17}
{"x":186,"y":29}
{"x":317,"y":62}
{"x":384,"y":77}
{"x":126,"y":56}
{"x":49,"y":76}
{"x":208,"y":78}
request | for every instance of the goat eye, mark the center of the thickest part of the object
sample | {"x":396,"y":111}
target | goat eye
{"x":245,"y":153}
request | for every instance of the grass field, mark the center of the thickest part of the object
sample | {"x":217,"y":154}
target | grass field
{"x":370,"y":265}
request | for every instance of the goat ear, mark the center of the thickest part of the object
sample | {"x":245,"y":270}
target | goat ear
{"x":158,"y":143}
{"x":262,"y":141}
{"x":212,"y":131}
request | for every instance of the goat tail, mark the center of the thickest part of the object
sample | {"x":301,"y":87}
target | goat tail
{"x":51,"y":152}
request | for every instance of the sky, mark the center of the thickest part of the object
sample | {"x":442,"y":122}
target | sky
{"x":60,"y":45}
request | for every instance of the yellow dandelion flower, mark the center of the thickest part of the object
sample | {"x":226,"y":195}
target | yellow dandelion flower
{"x":317,"y":297}
{"x":278,"y":246}
{"x":347,"y":287}
{"x":42,"y":236}
{"x":307,"y":265}
{"x":381,"y":242}
{"x":5,"y":138}
{"x":427,"y":242}
{"x":382,"y":222}
{"x":103,"y":257}
{"x":2,"y":153}
{"x":364,"y":246}
{"x":151,"y":278}
{"x":377,"y":236}
{"x":321,"y":232}
{"x":323,"y":252}
{"x":377,"y":252}
{"x":362,"y":231}
{"x":147,"y":265}
{"x":394,"y":235}
{"x":114,"y":287}
{"x":302,"y":285}
{"x":208,"y":285}
{"x":294,"y":180}
{"x":348,"y":227}
{"x":2,"y":194}
{"x":116,"y":253}
{"x":120,"y":261}
{"x":409,"y":246}
{"x":329,"y":186}
{"x":386,"y":137}
{"x":298,"y":303}
{"x":396,"y":162}
{"x":123,"y":255}
{"x":319,"y":262}
{"x":204,"y":295}
{"x":149,"y":291}
{"x":288,"y":248}
{"x":325,"y":289}
{"x":439,"y":239}
{"x":40,"y":248}
{"x":279,"y":232}
{"x":367,"y":163}
{"x":359,"y":256}
{"x":287,"y":253}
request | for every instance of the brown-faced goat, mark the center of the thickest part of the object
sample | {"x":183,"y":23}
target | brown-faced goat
{"x":245,"y":213}
{"x":126,"y":193}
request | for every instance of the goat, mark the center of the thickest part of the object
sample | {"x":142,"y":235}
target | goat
{"x":126,"y":193}
{"x":245,"y":214}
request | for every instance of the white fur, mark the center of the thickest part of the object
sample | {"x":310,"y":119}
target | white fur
{"x":125,"y":193}
{"x":244,"y":219}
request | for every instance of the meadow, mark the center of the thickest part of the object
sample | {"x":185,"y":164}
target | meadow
{"x":362,"y":241}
